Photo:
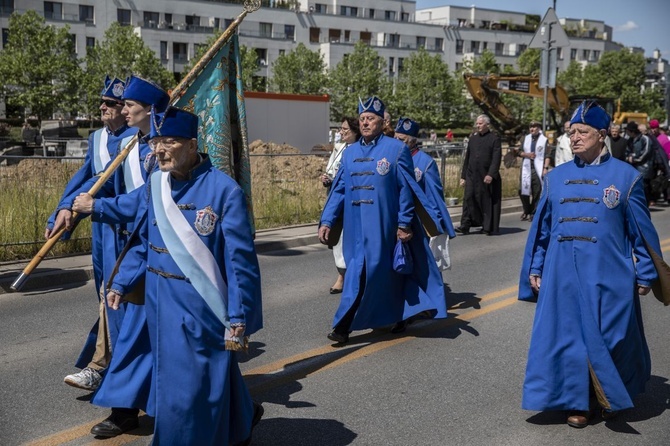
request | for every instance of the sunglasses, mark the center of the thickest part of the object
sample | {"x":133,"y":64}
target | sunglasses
{"x":111,"y":103}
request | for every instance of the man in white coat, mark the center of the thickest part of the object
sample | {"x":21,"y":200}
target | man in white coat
{"x":532,"y":152}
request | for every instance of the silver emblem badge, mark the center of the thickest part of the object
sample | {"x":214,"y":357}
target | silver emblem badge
{"x":117,"y":90}
{"x":205,"y":220}
{"x":407,"y":125}
{"x":417,"y":174}
{"x":611,"y":197}
{"x":377,"y":105}
{"x":383,"y":166}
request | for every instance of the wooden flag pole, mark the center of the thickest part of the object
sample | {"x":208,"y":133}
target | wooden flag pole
{"x":249,"y":6}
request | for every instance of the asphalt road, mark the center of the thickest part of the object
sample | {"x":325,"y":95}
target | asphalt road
{"x":451,"y":382}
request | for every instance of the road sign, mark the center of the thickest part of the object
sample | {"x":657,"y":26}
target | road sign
{"x":548,"y":68}
{"x":550,"y":33}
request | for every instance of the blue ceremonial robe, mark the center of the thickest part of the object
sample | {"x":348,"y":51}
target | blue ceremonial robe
{"x":200,"y":395}
{"x":374,"y":192}
{"x":127,"y":381}
{"x":428,"y":177}
{"x":590,"y":226}
{"x":101,"y":235}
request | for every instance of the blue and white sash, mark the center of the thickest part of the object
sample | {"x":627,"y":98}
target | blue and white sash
{"x":191,"y":255}
{"x":132,"y":169}
{"x":100,"y":152}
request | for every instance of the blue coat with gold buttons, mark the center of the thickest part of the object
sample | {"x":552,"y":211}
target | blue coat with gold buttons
{"x":589,"y":242}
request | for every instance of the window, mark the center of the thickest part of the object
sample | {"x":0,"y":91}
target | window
{"x":371,"y":13}
{"x":227,"y":23}
{"x":462,"y":23}
{"x":586,"y":54}
{"x":459,"y":47}
{"x":168,"y":19}
{"x":53,"y":10}
{"x":347,"y":35}
{"x":320,"y":8}
{"x":151,"y":19}
{"x":265,"y":29}
{"x":5,"y":37}
{"x":474,"y":46}
{"x":314,"y":35}
{"x":164,"y":52}
{"x":459,"y":66}
{"x":73,"y":38}
{"x":334,"y":35}
{"x":486,"y":24}
{"x":404,"y":16}
{"x":420,"y":42}
{"x":596,"y":55}
{"x":389,"y":15}
{"x":350,"y":11}
{"x":90,"y":43}
{"x":6,"y":7}
{"x":573,"y":54}
{"x":400,"y":64}
{"x":500,"y":48}
{"x":123,"y":16}
{"x":392,"y":40}
{"x":86,"y":13}
{"x":217,"y":23}
{"x":262,"y":56}
{"x":289,"y":32}
{"x":522,"y":48}
{"x":180,"y":52}
{"x":282,"y":52}
{"x":439,"y":43}
{"x":366,"y":36}
{"x":192,"y":20}
{"x":391,"y":66}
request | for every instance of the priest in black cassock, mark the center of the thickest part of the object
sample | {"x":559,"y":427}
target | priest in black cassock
{"x":481,"y":177}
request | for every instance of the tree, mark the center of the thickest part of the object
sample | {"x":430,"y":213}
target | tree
{"x":571,"y":78}
{"x":529,"y":62}
{"x":120,"y":54}
{"x":38,"y":66}
{"x":301,"y":71}
{"x":360,"y":74}
{"x":426,"y":91}
{"x":486,"y":63}
{"x":248,"y":58}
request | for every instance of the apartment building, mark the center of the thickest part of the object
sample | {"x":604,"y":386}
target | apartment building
{"x":174,"y":29}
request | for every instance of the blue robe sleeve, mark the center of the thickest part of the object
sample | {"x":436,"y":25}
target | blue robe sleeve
{"x":404,"y":171}
{"x":241,"y":264}
{"x":332,"y":210}
{"x":642,"y":234}
{"x":435,"y":193}
{"x":536,"y":245}
{"x":120,"y":209}
{"x":133,"y":266}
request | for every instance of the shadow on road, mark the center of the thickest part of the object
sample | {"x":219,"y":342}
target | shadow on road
{"x":302,"y":432}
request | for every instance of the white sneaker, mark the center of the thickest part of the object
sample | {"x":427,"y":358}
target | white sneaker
{"x":87,"y":379}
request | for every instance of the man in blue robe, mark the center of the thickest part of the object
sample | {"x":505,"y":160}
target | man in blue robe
{"x":102,"y":148}
{"x":126,"y":385}
{"x":203,"y":290}
{"x":374,"y":194}
{"x":587,"y":260}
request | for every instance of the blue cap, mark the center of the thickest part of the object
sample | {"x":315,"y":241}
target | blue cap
{"x":372,"y":105}
{"x":407,"y":127}
{"x":142,"y":90}
{"x":591,"y":113}
{"x":113,"y":88}
{"x":173,"y":122}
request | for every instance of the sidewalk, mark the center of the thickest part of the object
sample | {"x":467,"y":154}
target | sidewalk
{"x":65,"y":270}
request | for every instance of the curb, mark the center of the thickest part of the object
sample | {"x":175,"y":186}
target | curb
{"x":73,"y":270}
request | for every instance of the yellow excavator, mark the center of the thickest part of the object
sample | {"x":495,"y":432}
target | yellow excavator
{"x":486,"y":90}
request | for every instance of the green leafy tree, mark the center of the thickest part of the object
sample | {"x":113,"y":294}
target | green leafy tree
{"x":301,"y":71}
{"x":426,"y":90}
{"x":529,"y":62}
{"x":571,"y":78}
{"x":485,"y":63}
{"x":120,"y":54}
{"x":360,"y":74}
{"x":248,"y":58}
{"x":39,"y":69}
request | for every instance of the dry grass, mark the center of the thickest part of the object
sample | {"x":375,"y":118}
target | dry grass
{"x":286,"y":191}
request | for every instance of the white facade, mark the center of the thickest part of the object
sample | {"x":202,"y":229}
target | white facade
{"x":394,"y":28}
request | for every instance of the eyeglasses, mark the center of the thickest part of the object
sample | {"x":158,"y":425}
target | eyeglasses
{"x":344,"y":130}
{"x":111,"y":102}
{"x":166,"y":143}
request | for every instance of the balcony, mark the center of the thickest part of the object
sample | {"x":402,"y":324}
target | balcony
{"x":265,"y":35}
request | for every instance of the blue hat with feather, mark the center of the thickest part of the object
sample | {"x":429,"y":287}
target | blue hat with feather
{"x":173,"y":122}
{"x":113,"y":88}
{"x":147,"y":92}
{"x":591,"y":113}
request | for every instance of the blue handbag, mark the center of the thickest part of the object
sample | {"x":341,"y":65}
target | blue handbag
{"x":402,"y":258}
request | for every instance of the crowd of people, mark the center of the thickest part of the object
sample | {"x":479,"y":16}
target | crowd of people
{"x":178,"y":280}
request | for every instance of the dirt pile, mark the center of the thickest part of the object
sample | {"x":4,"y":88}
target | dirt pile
{"x":271,"y":162}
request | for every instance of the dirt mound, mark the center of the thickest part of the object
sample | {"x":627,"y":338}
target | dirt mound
{"x":271,"y":162}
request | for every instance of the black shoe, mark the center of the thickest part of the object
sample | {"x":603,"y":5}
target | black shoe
{"x":115,"y":425}
{"x":258,"y":414}
{"x":462,"y":230}
{"x":340,"y":338}
{"x":399,"y":327}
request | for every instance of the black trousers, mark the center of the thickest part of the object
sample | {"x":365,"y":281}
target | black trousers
{"x":529,"y":202}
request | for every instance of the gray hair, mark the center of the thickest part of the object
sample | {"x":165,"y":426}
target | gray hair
{"x":484,"y":118}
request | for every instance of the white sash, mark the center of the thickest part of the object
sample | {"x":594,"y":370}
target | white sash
{"x":528,"y":164}
{"x":100,"y":151}
{"x":188,"y":251}
{"x":132,"y":171}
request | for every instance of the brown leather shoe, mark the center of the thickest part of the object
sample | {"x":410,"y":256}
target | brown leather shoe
{"x":580,"y":418}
